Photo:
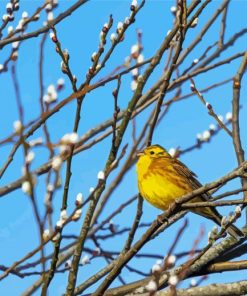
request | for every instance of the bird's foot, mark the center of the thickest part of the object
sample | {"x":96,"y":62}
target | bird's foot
{"x":162,"y":218}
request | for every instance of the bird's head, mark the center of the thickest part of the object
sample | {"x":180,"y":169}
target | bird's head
{"x":154,"y":151}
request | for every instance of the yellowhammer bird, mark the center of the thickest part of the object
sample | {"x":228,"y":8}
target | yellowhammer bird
{"x":162,"y":179}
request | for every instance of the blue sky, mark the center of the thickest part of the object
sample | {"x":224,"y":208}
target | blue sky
{"x":80,"y":35}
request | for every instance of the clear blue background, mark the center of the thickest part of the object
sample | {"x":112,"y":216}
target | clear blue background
{"x":79,"y":34}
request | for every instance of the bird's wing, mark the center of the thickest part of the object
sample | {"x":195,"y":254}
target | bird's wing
{"x":207,"y":212}
{"x":184,"y":171}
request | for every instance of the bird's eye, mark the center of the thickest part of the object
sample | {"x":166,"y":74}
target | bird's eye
{"x":151,"y":152}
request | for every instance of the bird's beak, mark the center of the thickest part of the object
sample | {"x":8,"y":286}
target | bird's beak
{"x":139,"y":153}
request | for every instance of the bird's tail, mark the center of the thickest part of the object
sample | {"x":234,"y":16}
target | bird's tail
{"x":213,"y":214}
{"x":232,"y":229}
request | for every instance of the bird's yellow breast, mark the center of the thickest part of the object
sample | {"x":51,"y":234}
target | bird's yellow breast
{"x":159,"y":185}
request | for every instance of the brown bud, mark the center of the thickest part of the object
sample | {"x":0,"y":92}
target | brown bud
{"x":11,"y":17}
{"x":77,"y":203}
{"x":54,"y":39}
{"x":60,"y":87}
{"x":192,"y":87}
{"x":16,"y":6}
{"x":209,"y":106}
{"x":64,"y":68}
{"x":236,"y":84}
{"x":91,"y":70}
{"x":66,"y":55}
{"x":101,"y":49}
{"x":132,"y":8}
{"x":14,"y":55}
{"x":9,"y":10}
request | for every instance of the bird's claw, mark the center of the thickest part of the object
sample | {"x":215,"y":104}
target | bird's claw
{"x":161,"y":219}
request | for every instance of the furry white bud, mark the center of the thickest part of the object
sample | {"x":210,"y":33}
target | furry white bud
{"x":63,"y":215}
{"x":60,"y":82}
{"x":85,"y":260}
{"x":46,"y":234}
{"x":56,"y":163}
{"x":15,"y":44}
{"x":151,"y":286}
{"x":172,"y":151}
{"x":173,"y":280}
{"x":59,"y":224}
{"x":101,"y":175}
{"x":206,"y":135}
{"x":51,"y":89}
{"x":238,"y":210}
{"x":30,"y":157}
{"x":224,"y":221}
{"x":79,"y":198}
{"x":140,"y":58}
{"x":113,"y":37}
{"x":9,"y":6}
{"x":52,"y":35}
{"x":229,"y":116}
{"x":133,"y":85}
{"x":199,"y":137}
{"x":127,"y":61}
{"x":171,"y":259}
{"x":51,"y":94}
{"x":10,"y":29}
{"x":127,"y":20}
{"x":194,"y":23}
{"x":20,"y":24}
{"x":71,"y":138}
{"x":173,"y":9}
{"x":134,"y":3}
{"x":17,"y":126}
{"x":157,"y":268}
{"x":24,"y":15}
{"x":26,"y":187}
{"x":212,"y":127}
{"x":50,"y":187}
{"x":134,"y":72}
{"x":120,"y":27}
{"x":46,"y":99}
{"x":50,"y":16}
{"x":93,"y":56}
{"x":5,"y":17}
{"x":134,"y":49}
{"x":106,"y":25}
{"x":77,"y":214}
{"x":48,"y":6}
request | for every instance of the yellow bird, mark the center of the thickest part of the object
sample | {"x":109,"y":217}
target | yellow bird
{"x":162,"y":179}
